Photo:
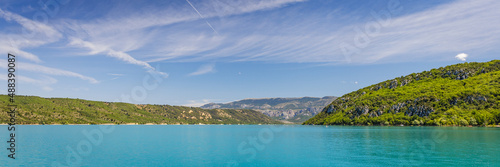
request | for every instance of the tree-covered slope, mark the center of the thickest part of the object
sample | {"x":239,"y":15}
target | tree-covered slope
{"x":461,"y":95}
{"x":37,"y":110}
{"x":295,"y":110}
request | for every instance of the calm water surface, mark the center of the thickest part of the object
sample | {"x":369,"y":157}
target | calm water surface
{"x":251,"y":145}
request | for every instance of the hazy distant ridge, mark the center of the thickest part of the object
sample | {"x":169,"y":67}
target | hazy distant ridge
{"x":289,"y":109}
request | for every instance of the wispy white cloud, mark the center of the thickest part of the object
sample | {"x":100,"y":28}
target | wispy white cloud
{"x":49,"y":71}
{"x":116,"y":74}
{"x":453,"y":27}
{"x":114,"y":36}
{"x":142,"y":38}
{"x":462,"y":56}
{"x":33,"y":34}
{"x":199,"y":14}
{"x":32,"y":28}
{"x":45,"y":82}
{"x":54,"y":71}
{"x":205,"y":69}
{"x":8,"y":48}
{"x":95,"y":49}
{"x":171,"y":15}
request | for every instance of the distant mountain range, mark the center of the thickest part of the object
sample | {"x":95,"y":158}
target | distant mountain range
{"x":37,"y":110}
{"x":295,"y":110}
{"x":465,"y":94}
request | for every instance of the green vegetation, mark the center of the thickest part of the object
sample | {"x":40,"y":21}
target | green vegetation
{"x":37,"y":110}
{"x":458,"y":95}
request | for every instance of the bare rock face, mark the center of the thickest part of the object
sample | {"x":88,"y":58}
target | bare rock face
{"x":289,"y":109}
{"x":457,"y":74}
{"x":361,"y":110}
{"x":394,"y":84}
{"x":420,"y":110}
{"x":331,"y":109}
{"x":396,"y":108}
{"x":468,"y":99}
{"x":288,"y":114}
{"x":472,"y":99}
{"x":419,"y":106}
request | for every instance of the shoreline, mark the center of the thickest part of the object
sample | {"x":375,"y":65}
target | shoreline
{"x":147,"y":124}
{"x":470,"y":126}
{"x":200,"y":124}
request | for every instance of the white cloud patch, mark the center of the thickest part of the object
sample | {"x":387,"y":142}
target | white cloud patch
{"x":205,"y":69}
{"x":116,"y":74}
{"x":31,"y":27}
{"x":12,"y":49}
{"x":462,"y":57}
{"x":197,"y":103}
{"x":96,"y":49}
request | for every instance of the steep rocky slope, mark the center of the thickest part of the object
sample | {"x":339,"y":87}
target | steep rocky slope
{"x":289,"y":109}
{"x":462,"y":94}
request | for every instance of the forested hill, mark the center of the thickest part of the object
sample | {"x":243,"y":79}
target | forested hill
{"x":37,"y":110}
{"x":461,"y":95}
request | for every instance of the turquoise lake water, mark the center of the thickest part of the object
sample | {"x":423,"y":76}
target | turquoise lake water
{"x":251,"y":145}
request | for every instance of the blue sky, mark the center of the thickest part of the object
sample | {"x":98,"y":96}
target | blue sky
{"x":182,"y":52}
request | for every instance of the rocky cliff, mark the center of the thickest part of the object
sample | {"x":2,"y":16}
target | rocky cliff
{"x":289,"y":109}
{"x":463,"y":94}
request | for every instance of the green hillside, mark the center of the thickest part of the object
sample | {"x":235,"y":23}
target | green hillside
{"x":37,"y":110}
{"x":459,"y":95}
